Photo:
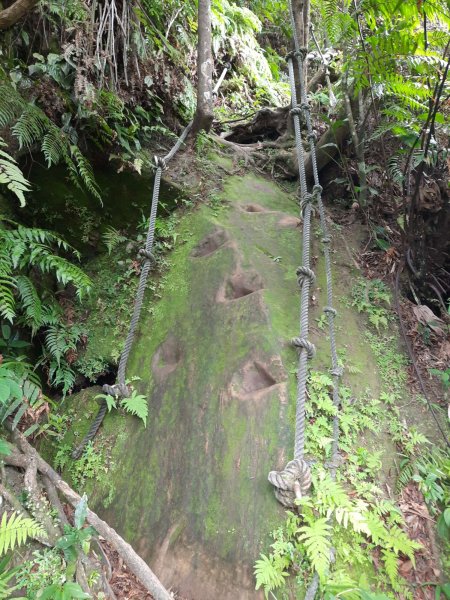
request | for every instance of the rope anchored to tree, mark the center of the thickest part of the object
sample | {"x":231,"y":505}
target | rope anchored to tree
{"x":121,"y":389}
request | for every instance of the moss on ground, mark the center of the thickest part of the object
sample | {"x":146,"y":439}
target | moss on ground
{"x":201,"y":465}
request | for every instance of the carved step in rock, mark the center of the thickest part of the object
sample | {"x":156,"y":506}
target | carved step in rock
{"x":239,"y":285}
{"x":255,"y":379}
{"x":166,"y":358}
{"x":210,"y":243}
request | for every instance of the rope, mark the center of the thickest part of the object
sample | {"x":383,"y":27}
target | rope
{"x":121,"y":389}
{"x":291,"y":483}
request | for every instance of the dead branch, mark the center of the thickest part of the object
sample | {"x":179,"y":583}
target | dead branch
{"x":9,"y":16}
{"x":133,"y":561}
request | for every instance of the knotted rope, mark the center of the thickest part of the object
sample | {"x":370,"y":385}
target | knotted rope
{"x":120,"y":389}
{"x":295,"y":480}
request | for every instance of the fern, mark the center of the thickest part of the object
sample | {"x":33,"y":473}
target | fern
{"x":11,"y":104}
{"x":316,"y":539}
{"x":136,"y":405}
{"x":267,"y":575}
{"x":31,"y":302}
{"x":23,"y":248}
{"x":390,"y":560}
{"x":12,"y":176}
{"x":112,"y":238}
{"x":15,"y":530}
{"x":32,"y":127}
{"x":61,"y":375}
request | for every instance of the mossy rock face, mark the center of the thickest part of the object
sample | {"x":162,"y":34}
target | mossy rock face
{"x":215,"y":361}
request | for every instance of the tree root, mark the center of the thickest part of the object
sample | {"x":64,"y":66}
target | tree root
{"x":24,"y":457}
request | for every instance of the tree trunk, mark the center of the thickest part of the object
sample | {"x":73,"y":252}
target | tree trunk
{"x":204,"y":115}
{"x":9,"y":16}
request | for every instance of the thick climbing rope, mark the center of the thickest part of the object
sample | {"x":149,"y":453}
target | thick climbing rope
{"x":295,"y":480}
{"x":121,"y":389}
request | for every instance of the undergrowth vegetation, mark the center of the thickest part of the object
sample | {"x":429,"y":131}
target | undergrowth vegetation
{"x":89,"y":86}
{"x":351,"y":531}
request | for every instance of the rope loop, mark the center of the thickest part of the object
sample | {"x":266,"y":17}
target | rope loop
{"x":317,"y":189}
{"x":290,"y":56}
{"x":118,"y":390}
{"x":291,"y":484}
{"x":299,"y":342}
{"x":302,"y":53}
{"x":305,"y":273}
{"x":160,"y":162}
{"x":305,"y":200}
{"x":312,"y":137}
{"x":305,"y":106}
{"x":147,"y":255}
{"x":296,"y":111}
{"x":337,"y":372}
{"x":330,"y":310}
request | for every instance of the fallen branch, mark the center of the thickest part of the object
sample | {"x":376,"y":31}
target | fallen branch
{"x":9,"y":16}
{"x":133,"y":561}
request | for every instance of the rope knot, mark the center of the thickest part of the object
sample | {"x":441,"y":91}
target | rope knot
{"x":305,"y":273}
{"x":290,"y":56}
{"x":227,"y":66}
{"x":299,"y":342}
{"x":305,"y":106}
{"x":317,"y":189}
{"x":147,"y":255}
{"x":296,"y":111}
{"x":312,"y":137}
{"x":118,"y":390}
{"x":305,"y":200}
{"x":330,"y":310}
{"x":292,"y":483}
{"x":337,"y":371}
{"x":160,"y":162}
{"x":302,"y":52}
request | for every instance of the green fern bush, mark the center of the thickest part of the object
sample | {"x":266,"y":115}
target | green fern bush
{"x":136,"y":404}
{"x":23,"y":250}
{"x":333,"y":517}
{"x":31,"y":126}
{"x":26,"y":256}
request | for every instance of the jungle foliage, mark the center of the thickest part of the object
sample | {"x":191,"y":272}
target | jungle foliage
{"x":84,"y":83}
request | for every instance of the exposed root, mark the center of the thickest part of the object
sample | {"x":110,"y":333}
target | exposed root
{"x":38,"y":474}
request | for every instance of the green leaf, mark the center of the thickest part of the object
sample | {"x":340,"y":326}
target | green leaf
{"x":136,"y":405}
{"x":81,"y":512}
{"x":5,"y":447}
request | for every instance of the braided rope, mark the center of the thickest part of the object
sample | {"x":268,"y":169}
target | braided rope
{"x":121,"y":388}
{"x":284,"y":481}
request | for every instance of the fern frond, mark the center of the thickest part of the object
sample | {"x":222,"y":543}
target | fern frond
{"x":390,"y":560}
{"x":86,"y":173}
{"x":267,"y":575}
{"x":112,"y":238}
{"x":11,"y":104}
{"x":61,"y":375}
{"x":136,"y":405}
{"x":15,"y":530}
{"x":31,"y":126}
{"x":30,"y":302}
{"x":12,"y":176}
{"x":316,"y":539}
